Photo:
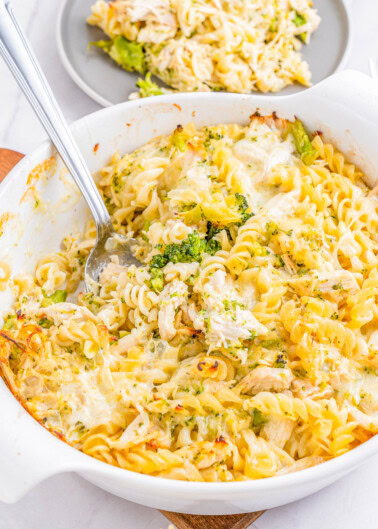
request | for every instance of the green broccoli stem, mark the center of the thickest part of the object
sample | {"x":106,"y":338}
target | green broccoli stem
{"x":302,"y":142}
{"x":147,"y":87}
{"x":129,"y":55}
{"x":58,"y":296}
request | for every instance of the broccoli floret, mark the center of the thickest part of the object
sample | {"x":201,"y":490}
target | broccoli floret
{"x":271,"y":344}
{"x":211,"y":135}
{"x":271,"y":229}
{"x":157,"y":279}
{"x":302,"y":142}
{"x":190,"y":250}
{"x":9,"y":322}
{"x":56,"y":297}
{"x":242,"y":205}
{"x":214,"y":229}
{"x":158,"y":261}
{"x":177,"y":253}
{"x":241,"y":202}
{"x":129,"y":55}
{"x":148,"y":88}
{"x":102,"y":44}
{"x":302,"y":37}
{"x":45,"y":323}
{"x":273,"y":26}
{"x":299,"y":19}
{"x":259,"y":419}
{"x":193,"y":247}
{"x":212,"y":247}
{"x":178,"y":139}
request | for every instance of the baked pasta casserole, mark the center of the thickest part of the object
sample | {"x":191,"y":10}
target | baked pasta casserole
{"x":246,"y":345}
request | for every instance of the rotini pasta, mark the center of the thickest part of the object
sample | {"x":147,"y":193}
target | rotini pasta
{"x":194,"y":45}
{"x":246,"y":345}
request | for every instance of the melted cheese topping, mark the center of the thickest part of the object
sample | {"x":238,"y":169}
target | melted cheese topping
{"x":246,"y":344}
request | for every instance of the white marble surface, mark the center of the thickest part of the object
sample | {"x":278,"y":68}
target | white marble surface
{"x":69,"y":502}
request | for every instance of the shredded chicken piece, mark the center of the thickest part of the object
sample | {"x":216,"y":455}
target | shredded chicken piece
{"x":128,"y":341}
{"x":223,"y":330}
{"x":278,"y":430}
{"x":303,"y":388}
{"x":289,"y":265}
{"x":335,"y":283}
{"x":224,"y":321}
{"x":369,"y":422}
{"x":369,"y":404}
{"x":301,"y":464}
{"x":32,"y":386}
{"x":60,"y":312}
{"x":172,"y":296}
{"x":138,"y":429}
{"x":281,"y":205}
{"x":157,"y":13}
{"x":266,"y":379}
{"x":329,"y":280}
{"x":369,"y":395}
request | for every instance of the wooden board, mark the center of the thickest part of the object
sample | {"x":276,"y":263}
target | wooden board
{"x":194,"y":521}
{"x":8,"y":159}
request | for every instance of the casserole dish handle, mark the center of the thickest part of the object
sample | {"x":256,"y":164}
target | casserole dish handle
{"x":350,"y":99}
{"x":28,"y":452}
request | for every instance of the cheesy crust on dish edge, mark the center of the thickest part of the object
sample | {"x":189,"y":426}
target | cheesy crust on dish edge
{"x":246,"y":346}
{"x":204,"y":45}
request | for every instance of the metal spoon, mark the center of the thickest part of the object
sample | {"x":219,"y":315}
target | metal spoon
{"x":20,"y":59}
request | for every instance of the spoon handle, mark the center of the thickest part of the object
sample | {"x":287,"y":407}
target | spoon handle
{"x":20,"y":59}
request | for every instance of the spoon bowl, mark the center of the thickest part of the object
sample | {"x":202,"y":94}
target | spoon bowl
{"x":20,"y":59}
{"x":110,"y":247}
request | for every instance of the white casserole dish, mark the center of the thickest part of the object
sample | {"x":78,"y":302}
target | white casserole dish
{"x":344,"y":107}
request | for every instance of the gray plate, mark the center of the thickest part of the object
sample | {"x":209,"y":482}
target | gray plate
{"x":106,"y":83}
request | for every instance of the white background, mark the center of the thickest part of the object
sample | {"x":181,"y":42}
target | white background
{"x":69,"y":502}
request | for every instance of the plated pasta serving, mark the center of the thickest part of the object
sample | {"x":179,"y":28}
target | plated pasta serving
{"x":204,"y":45}
{"x":246,"y":344}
